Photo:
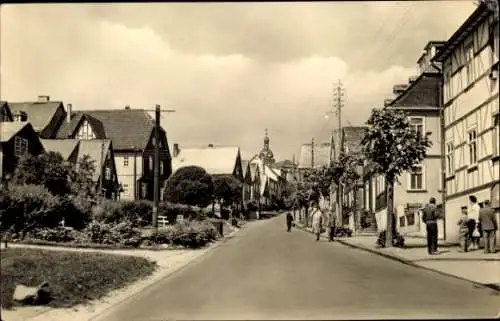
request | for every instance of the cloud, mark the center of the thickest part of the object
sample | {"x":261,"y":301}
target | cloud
{"x":230,"y":70}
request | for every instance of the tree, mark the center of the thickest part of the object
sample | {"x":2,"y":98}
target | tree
{"x":189,"y":185}
{"x":393,"y":147}
{"x":227,"y":189}
{"x":47,"y":169}
{"x":82,"y":178}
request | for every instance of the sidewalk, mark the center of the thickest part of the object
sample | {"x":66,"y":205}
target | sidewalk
{"x":169,"y":261}
{"x":476,"y":266}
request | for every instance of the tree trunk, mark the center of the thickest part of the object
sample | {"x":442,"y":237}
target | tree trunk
{"x":306,"y":216}
{"x":391,"y":227}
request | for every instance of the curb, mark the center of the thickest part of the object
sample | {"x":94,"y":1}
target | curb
{"x":410,"y":263}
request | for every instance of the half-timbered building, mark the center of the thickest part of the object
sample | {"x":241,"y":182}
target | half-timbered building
{"x":471,"y":114}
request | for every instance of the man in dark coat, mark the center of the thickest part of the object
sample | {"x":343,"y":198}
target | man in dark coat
{"x":489,"y":226}
{"x":289,"y":220}
{"x":430,"y":216}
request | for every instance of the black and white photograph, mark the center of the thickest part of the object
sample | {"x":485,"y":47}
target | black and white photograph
{"x":315,"y":160}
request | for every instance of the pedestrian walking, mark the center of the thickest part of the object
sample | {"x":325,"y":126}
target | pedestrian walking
{"x":332,"y":225}
{"x":317,"y":219}
{"x":489,"y":225}
{"x":430,"y":216}
{"x":473,"y":214}
{"x":289,"y":221}
{"x":463,"y":231}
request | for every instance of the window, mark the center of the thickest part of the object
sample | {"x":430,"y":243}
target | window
{"x":144,"y":190}
{"x":495,"y":45}
{"x":85,"y":131}
{"x":450,"y":158}
{"x":417,"y":124}
{"x":20,"y":146}
{"x":125,"y":189}
{"x":125,"y":161}
{"x":496,"y":136}
{"x":151,"y":163}
{"x":416,"y":178}
{"x":161,"y":168}
{"x":472,"y":144}
{"x":469,"y":61}
{"x":108,"y":173}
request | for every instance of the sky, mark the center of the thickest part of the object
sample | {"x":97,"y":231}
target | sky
{"x":230,"y":70}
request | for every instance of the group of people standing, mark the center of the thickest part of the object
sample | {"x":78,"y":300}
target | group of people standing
{"x":318,"y":217}
{"x":477,"y":221}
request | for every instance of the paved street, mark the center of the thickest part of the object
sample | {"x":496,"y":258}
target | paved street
{"x":266,"y":273}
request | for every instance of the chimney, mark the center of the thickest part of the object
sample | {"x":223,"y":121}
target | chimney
{"x":43,"y":99}
{"x":69,"y":109}
{"x":127,"y":107}
{"x":211,"y":145}
{"x":176,"y":150}
{"x":398,"y":89}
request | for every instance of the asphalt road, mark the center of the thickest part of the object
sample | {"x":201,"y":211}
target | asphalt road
{"x":266,"y":273}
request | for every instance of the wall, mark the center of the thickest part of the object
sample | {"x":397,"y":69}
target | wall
{"x":125,"y":174}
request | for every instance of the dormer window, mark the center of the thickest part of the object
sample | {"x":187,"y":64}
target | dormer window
{"x":85,"y":131}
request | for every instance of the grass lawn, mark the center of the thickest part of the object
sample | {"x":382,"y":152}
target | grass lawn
{"x":74,"y":277}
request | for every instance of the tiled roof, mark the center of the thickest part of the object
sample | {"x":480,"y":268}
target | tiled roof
{"x":127,"y":128}
{"x":423,"y":93}
{"x":215,"y":160}
{"x":63,"y":146}
{"x":353,"y":135}
{"x":321,"y":155}
{"x":39,"y":113}
{"x":97,"y":149}
{"x":10,"y":129}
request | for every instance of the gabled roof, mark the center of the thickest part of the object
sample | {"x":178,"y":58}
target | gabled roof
{"x":10,"y":129}
{"x":353,"y":135}
{"x":321,"y":155}
{"x":422,"y":93}
{"x":63,"y":146}
{"x":126,"y":128}
{"x":215,"y":160}
{"x":479,"y":15}
{"x":39,"y":113}
{"x":97,"y":149}
{"x":286,"y":164}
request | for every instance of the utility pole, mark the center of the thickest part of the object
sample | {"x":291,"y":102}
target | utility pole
{"x":312,"y":153}
{"x":338,"y":96}
{"x":156,"y":165}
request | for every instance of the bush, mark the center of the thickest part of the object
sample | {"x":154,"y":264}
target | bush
{"x":107,"y":211}
{"x":171,"y":211}
{"x":343,"y":231}
{"x":397,"y":240}
{"x":252,"y":205}
{"x":123,"y":233}
{"x":138,"y":212}
{"x":26,"y":207}
{"x":57,"y":234}
{"x":194,"y":234}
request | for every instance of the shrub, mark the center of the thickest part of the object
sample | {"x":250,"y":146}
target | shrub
{"x":57,"y":234}
{"x":138,"y":212}
{"x":107,"y":211}
{"x":397,"y":240}
{"x":343,"y":231}
{"x":25,"y":207}
{"x":194,"y":234}
{"x":171,"y":211}
{"x":123,"y":233}
{"x":252,"y":205}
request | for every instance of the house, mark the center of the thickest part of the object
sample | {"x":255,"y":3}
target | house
{"x":5,"y":113}
{"x":256,"y":183}
{"x":44,"y":115}
{"x":314,"y":156}
{"x":247,"y":181}
{"x":470,"y":60}
{"x":100,"y":152}
{"x":17,"y":139}
{"x":349,"y":142}
{"x":271,"y":182}
{"x":288,"y":169}
{"x":131,"y":132}
{"x":420,"y":101}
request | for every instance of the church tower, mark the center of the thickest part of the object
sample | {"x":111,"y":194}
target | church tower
{"x":266,"y":154}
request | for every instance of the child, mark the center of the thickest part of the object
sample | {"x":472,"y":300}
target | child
{"x":463,"y":231}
